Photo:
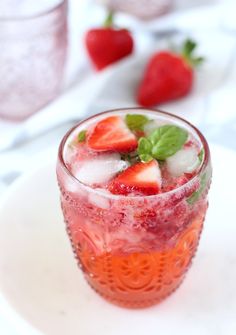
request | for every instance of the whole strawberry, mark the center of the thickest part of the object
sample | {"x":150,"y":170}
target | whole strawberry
{"x":168,"y":76}
{"x":106,"y":45}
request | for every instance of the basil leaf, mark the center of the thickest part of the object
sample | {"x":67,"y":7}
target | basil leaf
{"x":196,"y":195}
{"x":144,"y":146}
{"x":136,"y":121}
{"x":167,"y":140}
{"x":82,"y":136}
{"x":144,"y":149}
{"x":145,"y":158}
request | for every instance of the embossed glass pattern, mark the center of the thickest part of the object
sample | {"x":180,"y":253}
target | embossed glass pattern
{"x":33,"y":53}
{"x":135,"y":251}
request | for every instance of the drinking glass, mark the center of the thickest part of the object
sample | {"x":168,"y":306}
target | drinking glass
{"x":135,"y":250}
{"x":33,"y":40}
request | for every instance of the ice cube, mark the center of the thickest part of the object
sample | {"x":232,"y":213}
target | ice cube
{"x":99,"y":200}
{"x":152,"y":125}
{"x":100,"y":169}
{"x":69,"y":154}
{"x":75,"y":187}
{"x":184,"y":161}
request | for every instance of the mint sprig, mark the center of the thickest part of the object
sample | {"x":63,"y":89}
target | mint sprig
{"x":145,"y":149}
{"x":162,"y":143}
{"x":136,"y":121}
{"x":82,"y":136}
{"x":167,"y":140}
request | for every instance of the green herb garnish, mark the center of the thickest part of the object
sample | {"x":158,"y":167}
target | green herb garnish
{"x":167,"y":140}
{"x":145,"y":149}
{"x":136,"y":121}
{"x":82,"y":136}
{"x":201,"y":155}
{"x":196,"y":195}
{"x":163,"y":142}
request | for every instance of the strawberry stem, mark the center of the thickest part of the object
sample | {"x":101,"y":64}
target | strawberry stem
{"x":187,"y":53}
{"x":109,"y":20}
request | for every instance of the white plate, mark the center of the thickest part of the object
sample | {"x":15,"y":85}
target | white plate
{"x":40,"y":279}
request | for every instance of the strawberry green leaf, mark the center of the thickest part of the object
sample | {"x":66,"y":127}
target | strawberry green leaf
{"x":167,"y":140}
{"x":197,"y":61}
{"x":109,"y":20}
{"x":188,"y":49}
{"x":136,"y":121}
{"x":82,"y":136}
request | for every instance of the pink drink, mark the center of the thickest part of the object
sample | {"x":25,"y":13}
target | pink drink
{"x":133,"y":248}
{"x":33,"y":37}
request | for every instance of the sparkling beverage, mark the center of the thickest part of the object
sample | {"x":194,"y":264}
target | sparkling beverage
{"x":134,"y":217}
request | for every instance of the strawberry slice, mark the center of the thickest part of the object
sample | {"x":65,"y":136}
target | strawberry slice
{"x":112,"y":134}
{"x":141,"y":178}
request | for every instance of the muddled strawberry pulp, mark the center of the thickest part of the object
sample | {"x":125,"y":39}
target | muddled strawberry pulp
{"x":134,"y":202}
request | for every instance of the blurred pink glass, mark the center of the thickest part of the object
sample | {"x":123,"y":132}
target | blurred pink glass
{"x":33,"y":38}
{"x":143,"y":9}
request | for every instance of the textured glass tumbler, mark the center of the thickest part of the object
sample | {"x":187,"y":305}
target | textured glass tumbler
{"x":32,"y":58}
{"x":135,"y":251}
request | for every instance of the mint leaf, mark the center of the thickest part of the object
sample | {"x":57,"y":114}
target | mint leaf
{"x":163,"y":142}
{"x":196,"y":195}
{"x":145,"y":158}
{"x":167,"y":140}
{"x":136,"y":121}
{"x":201,"y":155}
{"x":144,"y":149}
{"x":82,"y":136}
{"x":144,"y":146}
